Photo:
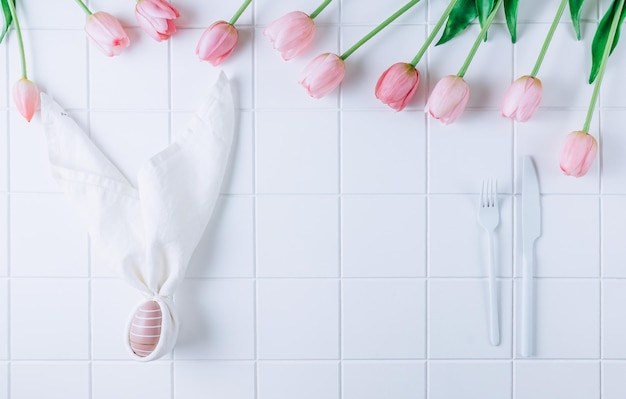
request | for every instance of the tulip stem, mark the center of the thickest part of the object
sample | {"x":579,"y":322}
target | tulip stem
{"x":84,"y":7}
{"x":605,"y":57}
{"x":479,"y":39}
{"x":240,"y":11}
{"x":20,"y":42}
{"x":433,"y":33}
{"x":377,"y":29}
{"x":548,"y":39}
{"x":319,"y":9}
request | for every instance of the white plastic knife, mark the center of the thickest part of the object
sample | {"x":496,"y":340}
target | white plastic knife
{"x":531,"y":230}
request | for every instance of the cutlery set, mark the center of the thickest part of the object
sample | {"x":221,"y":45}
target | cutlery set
{"x":489,"y":219}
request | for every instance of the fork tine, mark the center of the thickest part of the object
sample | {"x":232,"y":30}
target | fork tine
{"x":482,"y":195}
{"x":495,"y":192}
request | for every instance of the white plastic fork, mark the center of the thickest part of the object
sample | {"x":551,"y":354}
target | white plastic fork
{"x":489,"y":218}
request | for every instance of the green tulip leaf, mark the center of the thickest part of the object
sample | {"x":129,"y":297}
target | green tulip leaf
{"x":8,"y":18}
{"x":484,"y":8}
{"x":510,"y":11}
{"x":463,"y":13}
{"x":575,"y":7}
{"x":602,"y":36}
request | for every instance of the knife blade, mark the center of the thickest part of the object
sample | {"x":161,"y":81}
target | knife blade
{"x":531,"y":230}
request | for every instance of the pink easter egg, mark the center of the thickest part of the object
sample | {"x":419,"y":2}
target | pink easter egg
{"x":145,"y":329}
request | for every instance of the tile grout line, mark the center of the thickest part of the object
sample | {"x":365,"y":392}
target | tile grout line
{"x":600,"y":202}
{"x":340,"y":373}
{"x":514,"y":227}
{"x":9,"y":254}
{"x":255,"y":289}
{"x":427,"y":220}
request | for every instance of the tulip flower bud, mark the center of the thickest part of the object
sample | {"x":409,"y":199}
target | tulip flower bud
{"x":106,"y":33}
{"x":217,"y":42}
{"x":156,"y":18}
{"x":522,"y":99}
{"x":579,"y":152}
{"x":448,"y":99}
{"x":26,"y":98}
{"x":397,"y":85}
{"x":323,"y":74}
{"x":291,"y":34}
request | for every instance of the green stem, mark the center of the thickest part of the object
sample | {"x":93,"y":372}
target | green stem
{"x":84,"y":7}
{"x":605,"y":57}
{"x":546,"y":42}
{"x":433,"y":33}
{"x":19,"y":38}
{"x":479,"y":39}
{"x":378,"y":28}
{"x":240,"y":11}
{"x":319,"y":9}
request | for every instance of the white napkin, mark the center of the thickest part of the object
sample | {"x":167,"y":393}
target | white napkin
{"x":149,"y":232}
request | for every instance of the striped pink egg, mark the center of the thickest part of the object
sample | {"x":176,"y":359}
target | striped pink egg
{"x":145,"y":329}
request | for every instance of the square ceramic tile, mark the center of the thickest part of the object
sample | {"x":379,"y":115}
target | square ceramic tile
{"x":276,"y":81}
{"x":29,"y":165}
{"x":4,"y":81}
{"x":613,"y":382}
{"x":227,"y":247}
{"x":469,"y":380}
{"x":383,"y":152}
{"x":192,"y":78}
{"x":458,"y":319}
{"x":436,"y":8}
{"x":298,"y":319}
{"x":544,"y":380}
{"x":613,"y":224}
{"x":4,"y":375}
{"x":302,"y":380}
{"x":383,"y":319}
{"x":562,"y":87}
{"x":193,"y":15}
{"x":129,"y":139}
{"x":459,"y":244}
{"x":459,"y":160}
{"x":391,"y":379}
{"x":353,"y":13}
{"x":4,"y":234}
{"x":613,"y":323}
{"x":221,"y":379}
{"x":568,"y":246}
{"x":297,"y":161}
{"x":567,"y":318}
{"x":112,"y":303}
{"x":266,"y":11}
{"x":366,"y":65}
{"x":4,"y":319}
{"x":383,"y":236}
{"x":542,"y":138}
{"x":43,"y":380}
{"x":540,"y":11}
{"x":62,"y":308}
{"x":486,"y":89}
{"x":217,"y":319}
{"x":132,"y":380}
{"x":137,"y":79}
{"x":50,"y":14}
{"x":47,"y":237}
{"x":4,"y":137}
{"x":297,"y":236}
{"x":611,"y":152}
{"x":120,"y":9}
{"x":63,"y":74}
{"x":610,"y":95}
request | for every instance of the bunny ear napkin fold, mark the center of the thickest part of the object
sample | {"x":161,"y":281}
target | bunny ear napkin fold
{"x":149,"y":232}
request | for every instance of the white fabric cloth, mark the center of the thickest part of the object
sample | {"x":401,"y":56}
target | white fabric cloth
{"x":148,"y":232}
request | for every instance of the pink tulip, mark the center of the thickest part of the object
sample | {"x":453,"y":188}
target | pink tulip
{"x":106,"y":33}
{"x":156,"y":18}
{"x":217,"y":42}
{"x":579,"y":152}
{"x":448,"y":99}
{"x":397,"y":85}
{"x":522,"y":99}
{"x":291,"y":34}
{"x":323,"y":74}
{"x":26,"y":97}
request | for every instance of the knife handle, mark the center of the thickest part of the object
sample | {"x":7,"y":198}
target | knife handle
{"x":528,"y":317}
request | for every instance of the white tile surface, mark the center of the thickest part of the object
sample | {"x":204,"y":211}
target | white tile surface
{"x":202,"y":17}
{"x":222,"y":379}
{"x":266,"y":11}
{"x":132,"y":380}
{"x":567,"y":318}
{"x":302,"y":380}
{"x":49,"y":319}
{"x":469,"y":380}
{"x":50,"y":379}
{"x":4,"y":136}
{"x":544,"y":380}
{"x":613,"y":382}
{"x":298,"y":319}
{"x":4,"y":319}
{"x":613,"y":323}
{"x":297,"y":236}
{"x":613,"y":224}
{"x":352,"y":13}
{"x":4,"y":375}
{"x":4,"y":234}
{"x":383,"y":236}
{"x":613,"y":182}
{"x":391,"y":379}
{"x":383,"y":319}
{"x":458,"y":322}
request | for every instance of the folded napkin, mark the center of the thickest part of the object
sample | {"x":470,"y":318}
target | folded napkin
{"x":149,"y":232}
